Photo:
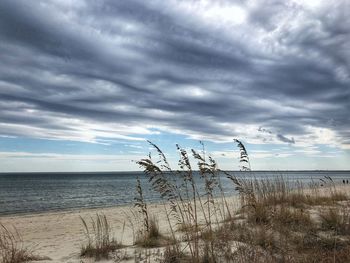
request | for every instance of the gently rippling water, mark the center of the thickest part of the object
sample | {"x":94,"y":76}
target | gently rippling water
{"x":41,"y":192}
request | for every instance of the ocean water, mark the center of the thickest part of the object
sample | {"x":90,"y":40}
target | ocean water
{"x":41,"y":192}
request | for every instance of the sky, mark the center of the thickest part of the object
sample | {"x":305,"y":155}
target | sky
{"x":84,"y":84}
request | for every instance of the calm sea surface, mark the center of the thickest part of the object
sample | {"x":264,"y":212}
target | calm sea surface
{"x":41,"y":192}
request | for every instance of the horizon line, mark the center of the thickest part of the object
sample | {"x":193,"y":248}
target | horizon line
{"x":133,"y":171}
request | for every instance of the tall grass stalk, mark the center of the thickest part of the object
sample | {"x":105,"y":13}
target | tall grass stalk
{"x":186,"y":203}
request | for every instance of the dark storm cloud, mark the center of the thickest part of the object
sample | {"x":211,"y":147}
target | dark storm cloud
{"x":160,"y":64}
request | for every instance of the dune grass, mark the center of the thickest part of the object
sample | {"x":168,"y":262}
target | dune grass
{"x":278,"y":221}
{"x":12,"y":248}
{"x":99,"y":238}
{"x":336,"y":219}
{"x":151,"y":237}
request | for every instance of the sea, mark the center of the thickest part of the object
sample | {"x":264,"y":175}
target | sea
{"x":28,"y":193}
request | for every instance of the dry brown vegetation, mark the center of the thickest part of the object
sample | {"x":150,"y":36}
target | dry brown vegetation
{"x":99,"y":238}
{"x":279,"y":221}
{"x":12,"y":249}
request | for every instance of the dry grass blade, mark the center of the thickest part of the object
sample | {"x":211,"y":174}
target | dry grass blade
{"x":141,"y":204}
{"x":244,"y":158}
{"x":165,"y":165}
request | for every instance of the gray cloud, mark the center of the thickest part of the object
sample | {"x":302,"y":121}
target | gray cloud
{"x":156,"y":64}
{"x":283,"y":138}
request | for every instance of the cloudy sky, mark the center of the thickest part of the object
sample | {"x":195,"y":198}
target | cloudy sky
{"x":83,"y":84}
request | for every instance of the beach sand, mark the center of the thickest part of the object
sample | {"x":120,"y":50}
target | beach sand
{"x":60,"y":235}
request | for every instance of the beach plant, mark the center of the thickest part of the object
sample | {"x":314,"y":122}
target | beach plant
{"x":12,"y":248}
{"x":140,"y":203}
{"x":172,"y":254}
{"x":336,"y":219}
{"x":180,"y":204}
{"x":243,"y":157}
{"x":159,"y":174}
{"x":151,"y":238}
{"x":149,"y":234}
{"x":215,"y":204}
{"x":99,"y":239}
{"x":276,"y":221}
{"x":179,"y":190}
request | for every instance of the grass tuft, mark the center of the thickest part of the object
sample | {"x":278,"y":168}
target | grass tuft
{"x":100,"y":242}
{"x":173,"y":254}
{"x":151,"y":237}
{"x":336,"y":219}
{"x":12,"y":249}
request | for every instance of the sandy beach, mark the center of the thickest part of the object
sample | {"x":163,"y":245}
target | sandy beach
{"x":60,"y":235}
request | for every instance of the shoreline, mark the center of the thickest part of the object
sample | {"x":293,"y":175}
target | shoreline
{"x":77,"y":209}
{"x":59,"y":235}
{"x":68,"y":210}
{"x":27,"y":208}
